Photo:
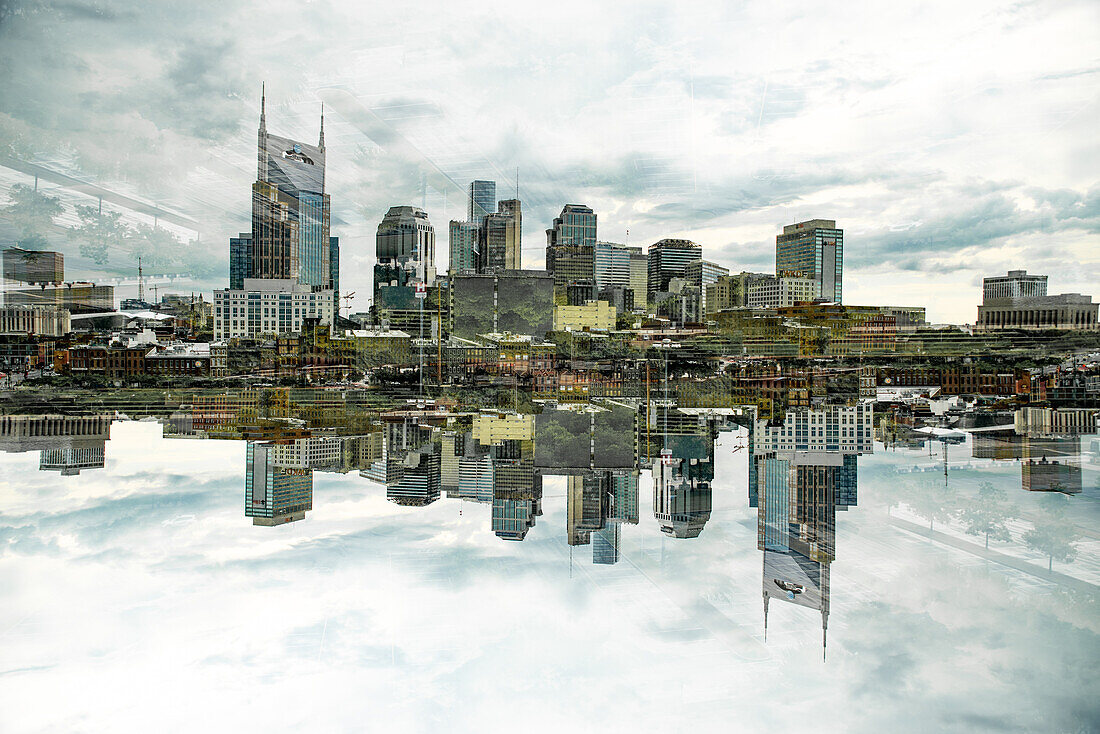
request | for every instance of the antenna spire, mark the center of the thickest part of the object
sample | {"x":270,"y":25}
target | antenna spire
{"x":321,"y":139}
{"x":263,"y":106}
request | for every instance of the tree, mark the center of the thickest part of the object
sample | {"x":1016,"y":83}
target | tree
{"x":932,"y":500}
{"x":32,"y":213}
{"x":1053,"y":533}
{"x":156,"y":246}
{"x":99,"y":232}
{"x":989,"y":514}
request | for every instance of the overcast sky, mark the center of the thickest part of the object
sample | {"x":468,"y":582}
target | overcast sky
{"x":142,"y":592}
{"x":949,"y":140}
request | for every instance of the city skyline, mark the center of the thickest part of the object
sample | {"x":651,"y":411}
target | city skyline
{"x":663,"y":140}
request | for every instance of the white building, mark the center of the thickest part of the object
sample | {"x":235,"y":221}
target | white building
{"x":777,"y":292}
{"x":269,"y":306}
{"x":844,"y":428}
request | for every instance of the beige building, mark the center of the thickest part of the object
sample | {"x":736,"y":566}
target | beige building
{"x":33,"y":320}
{"x":493,"y":428}
{"x":592,"y":316}
{"x":780,"y":292}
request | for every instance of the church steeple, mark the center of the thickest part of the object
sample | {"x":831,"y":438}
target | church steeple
{"x":321,"y":138}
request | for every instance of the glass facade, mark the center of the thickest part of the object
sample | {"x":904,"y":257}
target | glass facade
{"x":814,"y":250}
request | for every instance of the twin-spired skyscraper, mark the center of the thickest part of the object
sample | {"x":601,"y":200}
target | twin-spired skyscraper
{"x":290,"y":236}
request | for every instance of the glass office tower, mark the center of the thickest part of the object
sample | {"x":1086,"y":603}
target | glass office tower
{"x":813,"y":249}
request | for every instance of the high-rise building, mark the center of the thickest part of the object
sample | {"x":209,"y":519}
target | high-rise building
{"x":464,"y":244}
{"x":483,"y":200}
{"x":668,"y":259}
{"x":571,"y":252}
{"x":240,"y":260}
{"x":34,"y":267}
{"x":702,"y":273}
{"x":274,"y":494}
{"x":502,"y":235}
{"x":290,"y":210}
{"x":813,"y":249}
{"x":639,"y":278}
{"x":405,"y":248}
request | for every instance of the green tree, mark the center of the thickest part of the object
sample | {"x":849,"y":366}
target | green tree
{"x":1053,"y":533}
{"x":32,"y":213}
{"x":99,"y":232}
{"x":989,"y":514}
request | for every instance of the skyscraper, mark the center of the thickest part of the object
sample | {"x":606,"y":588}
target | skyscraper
{"x":571,"y":251}
{"x":464,"y":245}
{"x":813,"y":249}
{"x":483,"y":200}
{"x":274,"y":494}
{"x":502,"y":233}
{"x":668,"y":259}
{"x":405,"y":247}
{"x":240,"y":260}
{"x":290,"y":210}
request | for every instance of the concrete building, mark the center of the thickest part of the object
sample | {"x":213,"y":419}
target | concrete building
{"x":464,"y":247}
{"x":188,"y":358}
{"x":269,"y":307}
{"x":502,"y":237}
{"x":1017,"y":284}
{"x":405,"y":248}
{"x":35,"y":320}
{"x":592,"y":316}
{"x":1020,"y":301}
{"x":813,"y":249}
{"x":843,"y":428}
{"x":777,"y":292}
{"x":496,"y":427}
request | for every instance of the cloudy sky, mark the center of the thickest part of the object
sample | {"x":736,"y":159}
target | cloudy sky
{"x":950,"y":140}
{"x":141,"y":592}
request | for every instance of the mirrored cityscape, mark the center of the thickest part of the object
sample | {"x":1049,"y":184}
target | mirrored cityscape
{"x":706,"y":366}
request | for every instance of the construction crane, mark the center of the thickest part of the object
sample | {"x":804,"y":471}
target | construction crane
{"x":347,"y":300}
{"x":141,"y":283}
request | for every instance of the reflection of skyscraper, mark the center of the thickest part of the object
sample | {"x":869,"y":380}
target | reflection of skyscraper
{"x":71,"y":461}
{"x":68,"y":444}
{"x":274,"y":494}
{"x":798,"y":493}
{"x":682,"y":485}
{"x":411,"y":462}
